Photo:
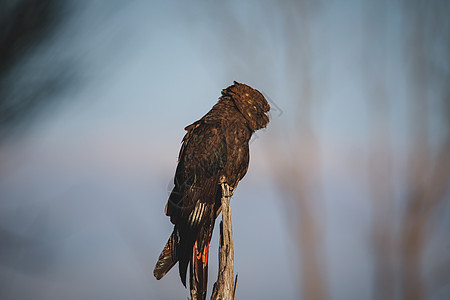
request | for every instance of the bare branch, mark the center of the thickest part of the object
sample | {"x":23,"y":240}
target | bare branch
{"x":224,"y":288}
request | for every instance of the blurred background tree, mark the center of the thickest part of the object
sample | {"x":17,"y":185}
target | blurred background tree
{"x":25,"y":84}
{"x":25,"y":26}
{"x":427,"y":64}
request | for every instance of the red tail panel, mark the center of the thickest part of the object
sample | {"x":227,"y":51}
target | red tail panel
{"x":199,"y":271}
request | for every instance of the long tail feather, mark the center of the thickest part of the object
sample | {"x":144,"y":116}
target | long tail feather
{"x":199,"y":271}
{"x":168,"y":257}
{"x":184,"y":260}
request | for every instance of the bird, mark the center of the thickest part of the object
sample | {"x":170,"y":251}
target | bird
{"x":214,"y":147}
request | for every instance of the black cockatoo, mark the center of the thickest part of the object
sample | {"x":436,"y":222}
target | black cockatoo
{"x":216,"y":145}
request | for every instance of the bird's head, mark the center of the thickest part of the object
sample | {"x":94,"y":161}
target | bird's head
{"x":250,"y":103}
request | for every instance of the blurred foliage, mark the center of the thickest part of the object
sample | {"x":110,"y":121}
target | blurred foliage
{"x":25,"y":26}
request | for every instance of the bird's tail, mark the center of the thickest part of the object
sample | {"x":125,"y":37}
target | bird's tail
{"x":199,"y":269}
{"x":168,"y":257}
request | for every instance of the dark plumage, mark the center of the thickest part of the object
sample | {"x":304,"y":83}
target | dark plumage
{"x":213,"y":146}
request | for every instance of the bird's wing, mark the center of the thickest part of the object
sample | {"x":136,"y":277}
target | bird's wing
{"x":192,"y":204}
{"x":202,"y":157}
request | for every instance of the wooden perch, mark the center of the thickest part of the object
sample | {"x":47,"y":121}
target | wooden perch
{"x":225,"y":286}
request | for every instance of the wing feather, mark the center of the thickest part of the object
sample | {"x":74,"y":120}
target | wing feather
{"x":202,"y":156}
{"x":192,"y":204}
